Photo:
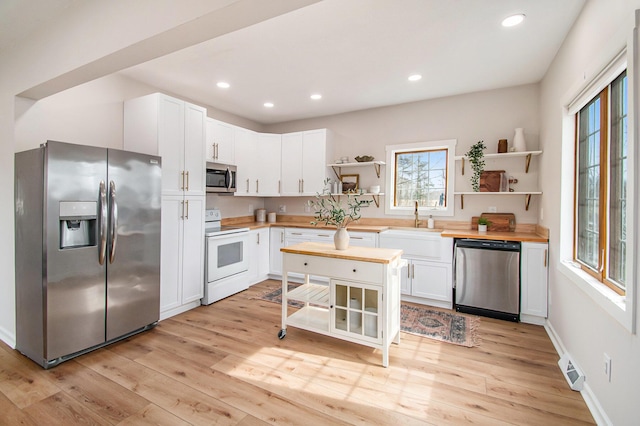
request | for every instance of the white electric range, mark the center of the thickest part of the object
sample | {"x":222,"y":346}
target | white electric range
{"x":227,"y":258}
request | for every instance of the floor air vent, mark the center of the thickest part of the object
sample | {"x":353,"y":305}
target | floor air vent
{"x":574,"y":377}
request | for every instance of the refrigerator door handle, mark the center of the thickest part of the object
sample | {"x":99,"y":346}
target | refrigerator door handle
{"x":103,"y":223}
{"x":113,"y":221}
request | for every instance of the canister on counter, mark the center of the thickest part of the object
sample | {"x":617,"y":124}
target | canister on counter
{"x":261,"y":215}
{"x":271,"y":217}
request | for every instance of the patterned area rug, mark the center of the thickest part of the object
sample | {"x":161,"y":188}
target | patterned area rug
{"x":443,"y":326}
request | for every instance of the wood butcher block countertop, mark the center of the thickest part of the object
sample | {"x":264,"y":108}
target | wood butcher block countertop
{"x":491,"y":235}
{"x":362,"y":254}
{"x":529,"y":234}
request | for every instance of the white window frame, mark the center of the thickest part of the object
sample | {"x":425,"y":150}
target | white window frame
{"x":621,"y":308}
{"x":390,"y":185}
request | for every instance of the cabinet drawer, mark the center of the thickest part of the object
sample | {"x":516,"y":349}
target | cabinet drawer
{"x":335,"y":268}
{"x":363,"y":239}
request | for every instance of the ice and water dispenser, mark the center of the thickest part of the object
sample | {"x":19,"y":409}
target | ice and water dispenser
{"x":78,"y":221}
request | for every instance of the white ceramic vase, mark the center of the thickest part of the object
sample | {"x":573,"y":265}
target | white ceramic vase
{"x":341,"y":239}
{"x":519,"y":143}
{"x":482,"y":228}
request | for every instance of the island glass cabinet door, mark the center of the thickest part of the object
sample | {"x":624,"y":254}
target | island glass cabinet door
{"x":357,"y":310}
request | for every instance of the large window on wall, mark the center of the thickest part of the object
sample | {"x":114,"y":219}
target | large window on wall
{"x":600,"y":245}
{"x":420,"y":174}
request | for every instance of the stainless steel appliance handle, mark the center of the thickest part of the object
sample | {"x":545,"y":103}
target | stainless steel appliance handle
{"x":113,"y":221}
{"x":227,"y":179}
{"x":103,"y":223}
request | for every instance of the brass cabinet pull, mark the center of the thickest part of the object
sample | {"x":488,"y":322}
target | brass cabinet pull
{"x":257,"y":187}
{"x":187,"y":215}
{"x":247,"y":186}
{"x":187,"y":181}
{"x":545,"y":258}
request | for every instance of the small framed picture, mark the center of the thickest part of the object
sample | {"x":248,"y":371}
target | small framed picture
{"x":350,"y":183}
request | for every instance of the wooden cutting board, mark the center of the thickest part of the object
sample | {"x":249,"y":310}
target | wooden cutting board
{"x":500,"y":222}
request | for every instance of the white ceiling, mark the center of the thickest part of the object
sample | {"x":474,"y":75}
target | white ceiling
{"x":357,"y":54}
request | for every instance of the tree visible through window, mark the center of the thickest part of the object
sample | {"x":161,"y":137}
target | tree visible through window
{"x":601,"y":196}
{"x":421,"y":176}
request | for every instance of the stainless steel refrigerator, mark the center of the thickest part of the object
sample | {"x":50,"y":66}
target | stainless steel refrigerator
{"x":87,"y":236}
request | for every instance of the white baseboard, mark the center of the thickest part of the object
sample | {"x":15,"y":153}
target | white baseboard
{"x":590,"y":399}
{"x":8,"y":338}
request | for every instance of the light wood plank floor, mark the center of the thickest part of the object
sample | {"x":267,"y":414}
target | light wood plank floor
{"x":223,"y":364}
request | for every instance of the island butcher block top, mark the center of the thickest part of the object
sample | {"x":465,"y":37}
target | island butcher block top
{"x":362,"y":254}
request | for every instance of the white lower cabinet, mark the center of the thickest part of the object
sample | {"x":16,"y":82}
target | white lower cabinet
{"x":533,"y":282}
{"x":258,"y":255}
{"x":182,"y":254}
{"x":428,"y":278}
{"x":276,"y":242}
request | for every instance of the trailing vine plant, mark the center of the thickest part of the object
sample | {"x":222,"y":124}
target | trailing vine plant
{"x":475,"y":156}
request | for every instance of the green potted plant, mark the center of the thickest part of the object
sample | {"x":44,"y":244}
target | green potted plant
{"x":475,"y":156}
{"x":329,"y":210}
{"x":483,"y":222}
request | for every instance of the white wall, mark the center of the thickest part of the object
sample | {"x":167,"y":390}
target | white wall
{"x":83,"y":45}
{"x":581,"y":326}
{"x":488,"y":116}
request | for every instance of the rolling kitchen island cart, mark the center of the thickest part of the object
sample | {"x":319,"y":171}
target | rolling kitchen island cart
{"x":360,"y":304}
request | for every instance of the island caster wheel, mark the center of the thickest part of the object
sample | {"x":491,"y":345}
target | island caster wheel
{"x":282,"y":333}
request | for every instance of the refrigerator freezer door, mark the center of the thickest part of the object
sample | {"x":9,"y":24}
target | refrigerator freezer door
{"x":133,"y":272}
{"x":488,"y":279}
{"x":74,"y":280}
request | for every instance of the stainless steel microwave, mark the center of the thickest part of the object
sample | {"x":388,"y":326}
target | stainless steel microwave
{"x":221,"y":178}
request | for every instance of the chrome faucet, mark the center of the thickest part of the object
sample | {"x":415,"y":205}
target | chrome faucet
{"x":415,"y":213}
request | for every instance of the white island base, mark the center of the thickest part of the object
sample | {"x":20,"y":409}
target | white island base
{"x":361,"y":303}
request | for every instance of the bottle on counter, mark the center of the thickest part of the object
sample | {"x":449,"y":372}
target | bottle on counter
{"x":430,"y":222}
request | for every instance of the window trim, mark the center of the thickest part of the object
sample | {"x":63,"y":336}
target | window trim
{"x":392,"y":150}
{"x":621,"y":308}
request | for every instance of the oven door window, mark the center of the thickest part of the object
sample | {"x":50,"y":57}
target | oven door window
{"x":226,"y":255}
{"x":231,"y":253}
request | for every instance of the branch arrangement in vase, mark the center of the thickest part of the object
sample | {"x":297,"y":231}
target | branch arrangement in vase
{"x":329,"y":210}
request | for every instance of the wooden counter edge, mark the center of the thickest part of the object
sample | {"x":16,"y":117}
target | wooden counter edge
{"x":363,"y":254}
{"x":506,"y":236}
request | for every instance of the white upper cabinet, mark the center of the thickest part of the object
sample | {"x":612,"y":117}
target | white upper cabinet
{"x":304,"y":167}
{"x":258,"y":161}
{"x":220,"y":143}
{"x":246,"y":143}
{"x":158,"y":124}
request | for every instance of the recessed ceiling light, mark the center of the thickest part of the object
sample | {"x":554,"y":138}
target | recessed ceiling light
{"x":415,"y":77}
{"x":223,"y":85}
{"x":268,"y":105}
{"x":513,"y":20}
{"x":316,"y":96}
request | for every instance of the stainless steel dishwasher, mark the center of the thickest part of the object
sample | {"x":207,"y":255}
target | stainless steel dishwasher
{"x":487,"y":278}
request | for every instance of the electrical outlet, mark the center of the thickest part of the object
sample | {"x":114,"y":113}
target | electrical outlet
{"x":607,"y":366}
{"x":307,"y":208}
{"x":282,"y":208}
{"x":493,"y":209}
{"x":250,"y":208}
{"x":541,"y":214}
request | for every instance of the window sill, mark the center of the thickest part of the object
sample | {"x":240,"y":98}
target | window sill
{"x":612,"y":303}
